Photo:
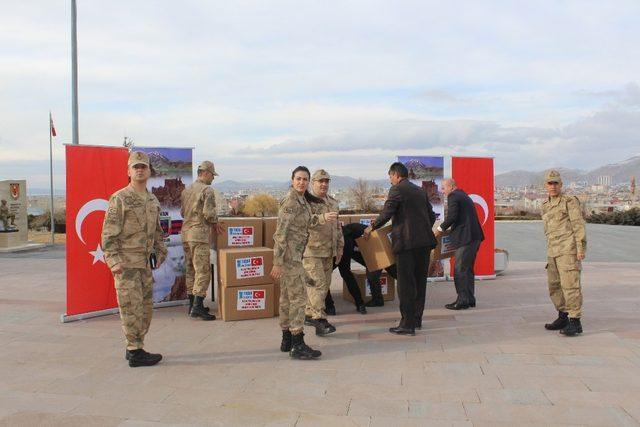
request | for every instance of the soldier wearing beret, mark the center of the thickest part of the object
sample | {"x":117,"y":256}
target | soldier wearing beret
{"x":133,"y":245}
{"x":198,"y":209}
{"x":566,"y":248}
{"x":323,"y":251}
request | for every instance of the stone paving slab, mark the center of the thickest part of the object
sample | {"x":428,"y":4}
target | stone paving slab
{"x":493,"y":365}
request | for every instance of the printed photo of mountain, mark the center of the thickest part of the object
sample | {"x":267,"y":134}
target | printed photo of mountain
{"x":423,"y":168}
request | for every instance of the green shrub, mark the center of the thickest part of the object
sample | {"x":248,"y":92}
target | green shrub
{"x":629,"y":217}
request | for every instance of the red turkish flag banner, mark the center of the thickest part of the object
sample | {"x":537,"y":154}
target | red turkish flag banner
{"x":474,"y":175}
{"x":93,"y":174}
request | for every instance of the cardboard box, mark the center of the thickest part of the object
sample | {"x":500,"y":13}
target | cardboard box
{"x":246,"y":302}
{"x":445,"y":248}
{"x":377,"y":250}
{"x":245,"y":266}
{"x":268,"y":230}
{"x":387,"y":283}
{"x":239,"y":233}
{"x":362,"y":219}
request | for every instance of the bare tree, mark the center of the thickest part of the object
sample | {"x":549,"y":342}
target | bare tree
{"x":361,"y":196}
{"x":261,"y":205}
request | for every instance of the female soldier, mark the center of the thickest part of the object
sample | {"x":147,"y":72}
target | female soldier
{"x":290,"y":240}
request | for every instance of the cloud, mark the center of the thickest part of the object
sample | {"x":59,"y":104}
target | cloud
{"x":349,"y":85}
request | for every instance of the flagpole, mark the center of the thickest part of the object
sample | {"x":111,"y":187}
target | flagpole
{"x":53,"y":227}
{"x":74,"y":73}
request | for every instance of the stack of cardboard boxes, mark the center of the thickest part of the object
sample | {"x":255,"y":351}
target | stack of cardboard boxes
{"x":245,"y":258}
{"x":245,"y":289}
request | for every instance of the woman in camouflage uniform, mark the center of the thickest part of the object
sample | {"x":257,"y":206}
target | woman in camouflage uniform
{"x":290,"y":239}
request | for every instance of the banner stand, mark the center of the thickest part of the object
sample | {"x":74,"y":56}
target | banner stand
{"x":90,"y":181}
{"x":75,"y":317}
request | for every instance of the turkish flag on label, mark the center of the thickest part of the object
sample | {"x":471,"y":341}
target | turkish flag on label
{"x":256,"y":261}
{"x":258,"y":294}
{"x":93,"y":174}
{"x":247,"y":231}
{"x":474,"y":176}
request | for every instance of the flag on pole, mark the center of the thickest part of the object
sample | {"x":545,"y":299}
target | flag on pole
{"x":53,"y":129}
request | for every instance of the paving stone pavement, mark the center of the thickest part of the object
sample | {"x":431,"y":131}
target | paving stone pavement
{"x":492,"y":365}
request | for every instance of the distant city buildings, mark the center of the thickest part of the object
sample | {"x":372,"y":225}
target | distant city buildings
{"x":601,"y":197}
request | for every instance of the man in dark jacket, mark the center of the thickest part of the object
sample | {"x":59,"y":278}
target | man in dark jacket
{"x":466,"y":235}
{"x":351,"y":252}
{"x":412,"y":239}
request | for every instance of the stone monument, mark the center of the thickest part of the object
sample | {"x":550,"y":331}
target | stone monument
{"x":13,"y":216}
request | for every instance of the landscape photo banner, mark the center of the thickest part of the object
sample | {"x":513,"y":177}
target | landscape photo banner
{"x":474,"y":175}
{"x":171,"y":172}
{"x":427,"y":172}
{"x":93,"y":174}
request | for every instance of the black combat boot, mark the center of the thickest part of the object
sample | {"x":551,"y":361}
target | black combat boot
{"x":573,"y":328}
{"x":190,"y":304}
{"x":330,"y":306}
{"x":286,"y":341}
{"x":300,"y":350}
{"x":309,"y":321}
{"x":559,"y":323}
{"x":198,"y":310}
{"x":362,"y":309}
{"x":323,"y":327}
{"x":142,"y":358}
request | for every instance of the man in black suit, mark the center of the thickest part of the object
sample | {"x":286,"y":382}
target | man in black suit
{"x":412,"y":240}
{"x":466,"y":235}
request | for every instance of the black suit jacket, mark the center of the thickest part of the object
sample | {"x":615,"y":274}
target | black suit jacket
{"x":412,"y":214}
{"x":463,"y":218}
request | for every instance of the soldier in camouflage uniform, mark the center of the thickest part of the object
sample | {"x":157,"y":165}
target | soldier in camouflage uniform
{"x":132,"y":240}
{"x":566,"y":248}
{"x":290,"y":239}
{"x":6,"y":215}
{"x":199,"y":216}
{"x":323,"y":251}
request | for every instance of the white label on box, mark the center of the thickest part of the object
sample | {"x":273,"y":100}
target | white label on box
{"x":247,"y":268}
{"x":365,"y":221}
{"x":240,"y":236}
{"x":250,"y":299}
{"x":447,"y":245}
{"x":383,"y":286}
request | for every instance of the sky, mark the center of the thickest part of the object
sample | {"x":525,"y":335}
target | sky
{"x":260,"y":87}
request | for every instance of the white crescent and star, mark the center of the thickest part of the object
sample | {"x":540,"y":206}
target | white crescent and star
{"x":479,"y":200}
{"x":89,"y":207}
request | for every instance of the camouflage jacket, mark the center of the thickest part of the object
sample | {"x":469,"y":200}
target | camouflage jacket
{"x":131,"y":230}
{"x":326,"y":240}
{"x":198,"y":211}
{"x":564,"y":226}
{"x":292,"y":232}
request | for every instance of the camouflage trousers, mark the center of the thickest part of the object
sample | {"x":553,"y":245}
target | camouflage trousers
{"x":134,"y":289}
{"x":563,"y":276}
{"x":293,"y":298}
{"x":319,"y":272}
{"x":198,"y":268}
